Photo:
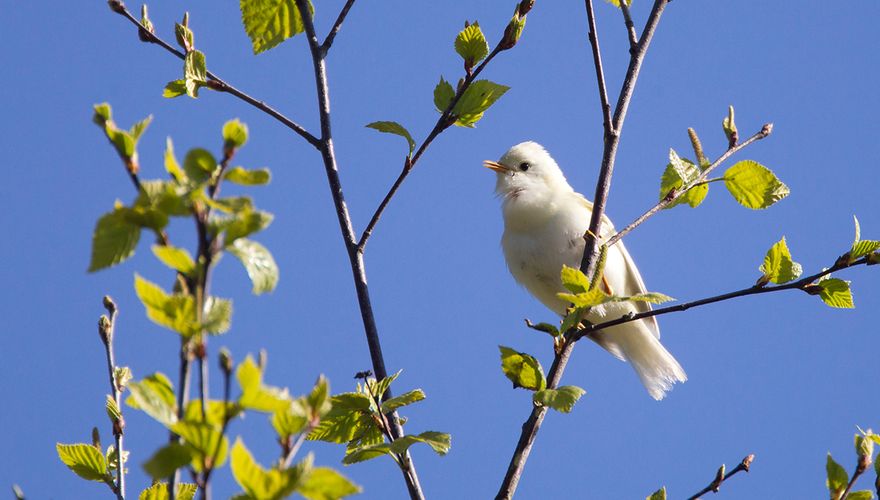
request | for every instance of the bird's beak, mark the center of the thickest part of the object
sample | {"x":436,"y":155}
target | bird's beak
{"x":494,"y":165}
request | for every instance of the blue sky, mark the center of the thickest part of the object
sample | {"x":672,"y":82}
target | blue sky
{"x":781,"y":376}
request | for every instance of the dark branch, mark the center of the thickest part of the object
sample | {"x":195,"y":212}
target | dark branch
{"x":328,"y":41}
{"x":216,"y":83}
{"x":600,"y":73}
{"x":720,"y":477}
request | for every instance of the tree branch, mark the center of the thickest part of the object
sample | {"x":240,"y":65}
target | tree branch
{"x":603,"y":186}
{"x":720,"y":477}
{"x":328,"y":155}
{"x":215,"y":82}
{"x":445,"y":121}
{"x":630,"y":27}
{"x":107,"y":329}
{"x":766,"y":130}
{"x":328,"y":41}
{"x":593,"y":34}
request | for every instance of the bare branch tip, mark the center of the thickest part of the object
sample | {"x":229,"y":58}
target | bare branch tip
{"x":747,"y":462}
{"x":766,"y":130}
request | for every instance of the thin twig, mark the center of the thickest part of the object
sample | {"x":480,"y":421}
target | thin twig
{"x":665,"y":202}
{"x":861,"y":467}
{"x":209,"y":467}
{"x":603,"y":185}
{"x":328,"y":155}
{"x":328,"y":41}
{"x":720,"y":477}
{"x":107,"y":329}
{"x":630,"y":27}
{"x":217,"y":83}
{"x":442,"y":124}
{"x":801,"y":284}
{"x":600,"y":73}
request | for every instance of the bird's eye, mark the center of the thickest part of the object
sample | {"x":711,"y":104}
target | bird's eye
{"x":524,"y":166}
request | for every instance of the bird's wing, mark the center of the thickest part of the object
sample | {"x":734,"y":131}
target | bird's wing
{"x":634,"y":283}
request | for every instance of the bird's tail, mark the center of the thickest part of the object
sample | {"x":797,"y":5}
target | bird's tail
{"x":636,"y":343}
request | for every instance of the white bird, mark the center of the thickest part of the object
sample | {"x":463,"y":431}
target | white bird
{"x":544,"y":224}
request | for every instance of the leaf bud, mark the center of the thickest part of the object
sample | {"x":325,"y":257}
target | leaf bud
{"x":525,"y":6}
{"x":109,"y":304}
{"x":96,"y":438}
{"x":117,"y":6}
{"x":105,"y":329}
{"x":864,"y":450}
{"x":729,"y":126}
{"x":226,"y":362}
{"x":513,"y":31}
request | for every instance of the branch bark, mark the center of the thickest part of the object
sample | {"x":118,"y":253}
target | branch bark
{"x":107,"y":329}
{"x":603,"y":186}
{"x":720,"y":477}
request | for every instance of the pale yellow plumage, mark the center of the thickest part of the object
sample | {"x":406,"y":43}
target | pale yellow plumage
{"x":544,"y":224}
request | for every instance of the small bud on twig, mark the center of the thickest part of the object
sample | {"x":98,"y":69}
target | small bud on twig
{"x":96,"y":438}
{"x":525,"y":6}
{"x":729,"y":126}
{"x":109,"y":305}
{"x":117,"y":6}
{"x":105,"y":329}
{"x":226,"y":362}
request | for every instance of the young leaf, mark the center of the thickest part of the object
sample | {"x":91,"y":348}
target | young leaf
{"x":379,"y":387}
{"x":174,"y":88}
{"x":679,"y":174}
{"x":218,"y":315}
{"x":152,"y":396}
{"x":258,"y":482}
{"x":318,"y":401}
{"x":396,"y":129}
{"x":159,"y":491}
{"x":291,"y":420}
{"x":195,"y":73}
{"x":270,"y":22}
{"x":138,"y":129}
{"x":836,"y":293}
{"x":440,"y":442}
{"x":649,"y":297}
{"x":471,"y":45}
{"x":83,"y":459}
{"x":168,"y":459}
{"x":658,"y":495}
{"x":176,"y":312}
{"x":235,"y":134}
{"x":202,"y":439}
{"x":258,"y":262}
{"x":348,"y":418}
{"x":199,"y":164}
{"x":114,"y":240}
{"x":245,"y":223}
{"x":171,"y":164}
{"x":175,"y":258}
{"x":325,"y":483}
{"x":522,"y":369}
{"x":367,"y":453}
{"x":860,"y":247}
{"x":729,"y":126}
{"x":403,"y":400}
{"x":478,"y":97}
{"x":443,"y":94}
{"x":561,"y":399}
{"x":254,"y":394}
{"x":860,"y":495}
{"x":574,"y":280}
{"x":837,"y":477}
{"x":245,"y":177}
{"x":754,"y":185}
{"x":778,"y":266}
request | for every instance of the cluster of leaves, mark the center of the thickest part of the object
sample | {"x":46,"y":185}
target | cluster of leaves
{"x":839,"y":482}
{"x":751,"y":184}
{"x":360,"y":420}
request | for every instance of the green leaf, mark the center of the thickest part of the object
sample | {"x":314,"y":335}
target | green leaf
{"x":754,"y":185}
{"x":590,"y":298}
{"x":183,"y":34}
{"x":254,"y":394}
{"x":860,"y":495}
{"x":114,"y":240}
{"x":258,"y":262}
{"x":403,"y":400}
{"x":522,"y":369}
{"x":260,"y":483}
{"x":168,"y":459}
{"x":291,"y":420}
{"x":681,"y":173}
{"x":204,"y":440}
{"x":176,"y":258}
{"x":860,"y":247}
{"x":471,"y":45}
{"x":218,"y":315}
{"x":836,"y":293}
{"x":837,"y":477}
{"x":396,"y":129}
{"x":245,"y":177}
{"x":778,"y":266}
{"x":573,"y":318}
{"x":138,"y":129}
{"x":176,"y":312}
{"x":171,"y":164}
{"x":729,"y":127}
{"x":199,"y":164}
{"x":318,"y":401}
{"x":658,"y":495}
{"x":103,"y":113}
{"x":155,"y":396}
{"x":216,"y":414}
{"x":544,"y":327}
{"x":381,"y":386}
{"x":443,"y":94}
{"x":159,"y":491}
{"x":561,"y":399}
{"x":574,"y":280}
{"x":83,"y":459}
{"x":163,"y":197}
{"x":440,"y":442}
{"x":270,"y":22}
{"x":478,"y":97}
{"x":367,"y":453}
{"x":174,"y":88}
{"x":649,"y":297}
{"x":325,"y":483}
{"x":195,"y":74}
{"x":348,"y":419}
{"x":230,"y":204}
{"x":245,"y":223}
{"x":235,"y":134}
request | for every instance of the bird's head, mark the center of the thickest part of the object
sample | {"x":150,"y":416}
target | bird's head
{"x":527,"y":169}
